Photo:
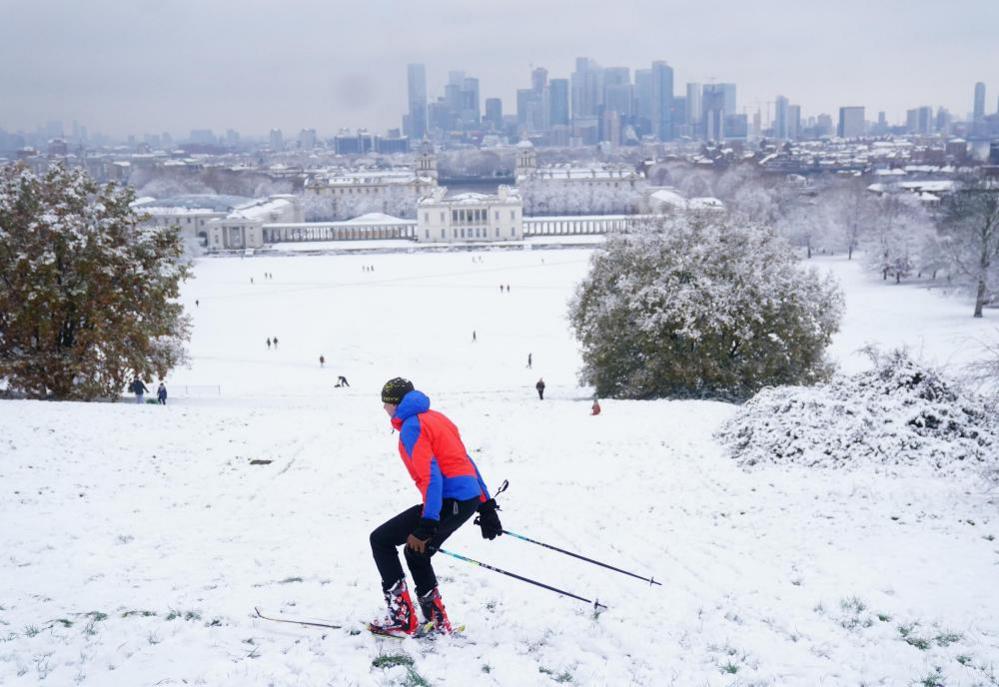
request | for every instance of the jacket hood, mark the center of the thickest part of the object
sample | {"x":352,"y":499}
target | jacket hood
{"x":413,"y":403}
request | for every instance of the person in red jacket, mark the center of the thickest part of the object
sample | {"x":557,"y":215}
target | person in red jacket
{"x":452,"y":490}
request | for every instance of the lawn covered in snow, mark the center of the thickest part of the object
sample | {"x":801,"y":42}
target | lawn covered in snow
{"x":138,"y":539}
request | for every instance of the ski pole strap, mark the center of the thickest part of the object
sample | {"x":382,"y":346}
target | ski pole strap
{"x":596,"y":604}
{"x":650,"y":580}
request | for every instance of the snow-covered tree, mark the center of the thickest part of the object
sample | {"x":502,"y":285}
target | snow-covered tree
{"x":701,"y":307}
{"x":852,"y":212}
{"x":900,"y":227}
{"x":970,"y":221}
{"x":87,"y":294}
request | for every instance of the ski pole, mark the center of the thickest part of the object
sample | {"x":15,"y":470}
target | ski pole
{"x":580,"y":557}
{"x":505,"y":486}
{"x":596,"y":604}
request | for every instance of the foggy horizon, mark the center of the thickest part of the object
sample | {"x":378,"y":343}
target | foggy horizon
{"x":177,"y":66}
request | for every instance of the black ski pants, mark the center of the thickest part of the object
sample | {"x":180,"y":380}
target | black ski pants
{"x":393,"y":533}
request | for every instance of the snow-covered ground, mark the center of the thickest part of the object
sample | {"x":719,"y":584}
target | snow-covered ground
{"x":138,"y":539}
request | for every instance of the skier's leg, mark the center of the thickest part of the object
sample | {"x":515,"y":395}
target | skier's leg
{"x":386,"y":538}
{"x":453,"y":515}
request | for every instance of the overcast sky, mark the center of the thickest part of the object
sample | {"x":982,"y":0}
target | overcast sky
{"x":136,"y":66}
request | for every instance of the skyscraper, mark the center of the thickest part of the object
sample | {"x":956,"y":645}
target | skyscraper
{"x":643,"y":100}
{"x":694,"y":103}
{"x":662,"y":100}
{"x":780,"y":118}
{"x":539,"y":80}
{"x":851,"y":122}
{"x":713,"y":112}
{"x":979,"y":102}
{"x":415,"y":126}
{"x":494,"y":113}
{"x":558,"y":102}
{"x":794,"y":122}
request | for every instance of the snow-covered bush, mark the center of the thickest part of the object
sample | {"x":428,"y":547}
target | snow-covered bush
{"x":701,"y":307}
{"x":901,"y":412}
{"x":88,"y":295}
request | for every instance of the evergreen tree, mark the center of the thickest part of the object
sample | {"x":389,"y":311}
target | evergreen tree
{"x":701,"y":307}
{"x":87,"y":295}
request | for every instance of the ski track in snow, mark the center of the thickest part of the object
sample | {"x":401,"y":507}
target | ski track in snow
{"x":137,"y":539}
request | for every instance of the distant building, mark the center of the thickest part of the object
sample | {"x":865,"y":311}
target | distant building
{"x":713,"y":112}
{"x":794,"y":122}
{"x":276,"y":140}
{"x":781,"y":105}
{"x":979,"y":104}
{"x":851,"y":122}
{"x":494,"y":113}
{"x":662,"y":100}
{"x":307,"y":139}
{"x":471,"y":217}
{"x":415,"y":124}
{"x":243,"y":227}
{"x":558,"y":102}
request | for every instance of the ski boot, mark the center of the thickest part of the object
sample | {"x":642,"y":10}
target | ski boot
{"x":400,"y":620}
{"x":433,"y":611}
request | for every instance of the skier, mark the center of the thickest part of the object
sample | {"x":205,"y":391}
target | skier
{"x":452,"y":489}
{"x":322,"y":361}
{"x":138,"y":388}
{"x":540,"y":386}
{"x":161,"y":394}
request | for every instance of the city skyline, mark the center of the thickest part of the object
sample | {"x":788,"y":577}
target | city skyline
{"x":179,"y":66}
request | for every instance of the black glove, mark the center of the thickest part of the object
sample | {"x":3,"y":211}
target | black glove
{"x":488,"y":520}
{"x":426,"y":529}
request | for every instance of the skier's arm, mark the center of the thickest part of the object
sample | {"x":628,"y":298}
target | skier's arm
{"x":428,"y":473}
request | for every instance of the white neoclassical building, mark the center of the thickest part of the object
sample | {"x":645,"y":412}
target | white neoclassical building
{"x":470,"y":217}
{"x":342,"y":194}
{"x":244,"y":226}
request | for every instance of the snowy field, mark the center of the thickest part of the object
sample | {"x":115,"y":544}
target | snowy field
{"x":138,"y":539}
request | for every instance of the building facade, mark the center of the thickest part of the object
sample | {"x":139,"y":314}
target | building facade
{"x":470,"y":217}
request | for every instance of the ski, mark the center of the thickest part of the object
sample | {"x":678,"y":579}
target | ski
{"x":425,"y":631}
{"x":293,"y":621}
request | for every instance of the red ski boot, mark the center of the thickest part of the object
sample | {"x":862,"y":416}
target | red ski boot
{"x":433,"y":610}
{"x":400,"y":620}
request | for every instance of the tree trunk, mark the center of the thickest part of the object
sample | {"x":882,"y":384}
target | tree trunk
{"x":980,"y":297}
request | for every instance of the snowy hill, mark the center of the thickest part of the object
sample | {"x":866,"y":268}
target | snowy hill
{"x":138,"y":539}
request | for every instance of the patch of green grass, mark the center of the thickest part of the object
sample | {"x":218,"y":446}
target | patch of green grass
{"x":64,"y":622}
{"x":918,"y":642}
{"x":96,"y":616}
{"x":730,"y":668}
{"x":392,"y":660}
{"x":144,"y":614}
{"x":932,"y":680}
{"x":947,"y":638}
{"x":30,"y":631}
{"x":884,"y":617}
{"x":564,"y":676}
{"x":184,"y":615}
{"x":853,"y":605}
{"x":964,"y":660}
{"x":414,"y":679}
{"x":487,"y":668}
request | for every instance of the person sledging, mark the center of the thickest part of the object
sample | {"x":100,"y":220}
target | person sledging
{"x":452,"y":489}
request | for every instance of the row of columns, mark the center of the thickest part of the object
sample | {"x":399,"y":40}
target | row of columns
{"x":332,"y":232}
{"x":541,"y":226}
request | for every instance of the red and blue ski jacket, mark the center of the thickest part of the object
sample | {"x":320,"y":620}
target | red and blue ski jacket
{"x":431,"y":449}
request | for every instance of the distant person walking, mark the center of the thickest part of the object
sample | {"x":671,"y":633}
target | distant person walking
{"x":138,"y":388}
{"x":540,"y":386}
{"x":161,"y":394}
{"x":268,"y":343}
{"x":322,"y":361}
{"x":595,"y":408}
{"x":528,"y":361}
{"x":196,"y":303}
{"x":275,"y":342}
{"x":341,"y":381}
{"x":474,"y":338}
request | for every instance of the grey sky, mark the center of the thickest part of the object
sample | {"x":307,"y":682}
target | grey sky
{"x":142,"y":66}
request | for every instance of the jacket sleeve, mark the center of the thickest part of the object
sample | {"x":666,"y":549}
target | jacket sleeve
{"x":425,"y":468}
{"x":484,"y":496}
